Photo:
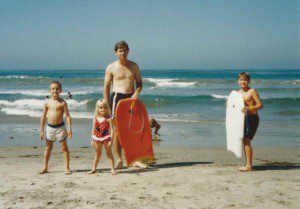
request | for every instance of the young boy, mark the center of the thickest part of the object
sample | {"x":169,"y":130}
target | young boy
{"x":54,"y":109}
{"x":252,"y":105}
{"x":154,"y":124}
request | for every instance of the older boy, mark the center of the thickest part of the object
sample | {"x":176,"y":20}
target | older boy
{"x":54,"y":109}
{"x":252,"y":105}
{"x":122,"y":73}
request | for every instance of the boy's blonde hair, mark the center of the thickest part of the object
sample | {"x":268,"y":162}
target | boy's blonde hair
{"x":244,"y":75}
{"x":98,"y":104}
{"x":56,"y":82}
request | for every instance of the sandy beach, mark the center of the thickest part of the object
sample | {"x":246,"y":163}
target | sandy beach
{"x":181,"y":178}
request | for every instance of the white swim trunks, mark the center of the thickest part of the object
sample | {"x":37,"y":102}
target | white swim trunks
{"x":56,"y":132}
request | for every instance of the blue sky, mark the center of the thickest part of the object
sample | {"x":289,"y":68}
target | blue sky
{"x":162,"y":34}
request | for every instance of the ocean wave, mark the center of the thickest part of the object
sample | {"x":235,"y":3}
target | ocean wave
{"x":219,"y":96}
{"x":32,"y":104}
{"x":161,"y":82}
{"x":47,"y":93}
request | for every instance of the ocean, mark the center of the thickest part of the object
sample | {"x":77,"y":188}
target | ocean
{"x":189,"y":104}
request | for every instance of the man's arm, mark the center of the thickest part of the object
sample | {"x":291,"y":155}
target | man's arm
{"x":138,"y":81}
{"x":43,"y":120}
{"x":107,"y":83}
{"x":69,"y":120}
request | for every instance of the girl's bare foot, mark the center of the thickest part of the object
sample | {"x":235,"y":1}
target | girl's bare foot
{"x":139,"y":164}
{"x":92,"y":172}
{"x":68,"y":172}
{"x":43,"y":171}
{"x":245,"y":168}
{"x":119,"y":165}
{"x":113,"y":172}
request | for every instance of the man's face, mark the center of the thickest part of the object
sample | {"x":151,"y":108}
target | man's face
{"x":122,"y":53}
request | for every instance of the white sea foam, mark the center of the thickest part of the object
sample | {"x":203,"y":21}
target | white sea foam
{"x":170,"y":82}
{"x":219,"y":96}
{"x":34,"y":104}
{"x":47,"y":93}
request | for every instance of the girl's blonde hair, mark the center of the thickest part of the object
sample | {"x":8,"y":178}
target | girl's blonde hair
{"x":98,"y":104}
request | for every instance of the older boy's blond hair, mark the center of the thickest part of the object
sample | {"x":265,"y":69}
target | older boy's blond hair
{"x":244,"y":75}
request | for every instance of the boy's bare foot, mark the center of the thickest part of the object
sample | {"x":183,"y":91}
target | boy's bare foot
{"x":113,"y":172}
{"x":139,"y":164}
{"x":68,"y":172}
{"x":119,"y":165}
{"x":43,"y":171}
{"x":92,"y":172}
{"x":245,"y":169}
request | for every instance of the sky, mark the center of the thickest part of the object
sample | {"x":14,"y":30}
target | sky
{"x":162,"y":34}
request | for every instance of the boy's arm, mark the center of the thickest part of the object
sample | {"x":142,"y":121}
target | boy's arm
{"x":258,"y":103}
{"x":139,"y":83}
{"x":107,"y":83}
{"x":69,"y":120}
{"x":43,"y":120}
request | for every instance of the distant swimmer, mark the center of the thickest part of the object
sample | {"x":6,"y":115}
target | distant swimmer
{"x":69,"y":96}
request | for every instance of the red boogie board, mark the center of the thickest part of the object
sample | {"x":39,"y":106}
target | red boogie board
{"x":134,"y":130}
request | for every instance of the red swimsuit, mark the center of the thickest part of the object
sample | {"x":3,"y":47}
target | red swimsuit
{"x":101,"y":131}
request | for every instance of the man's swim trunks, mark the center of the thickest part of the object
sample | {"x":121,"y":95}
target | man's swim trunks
{"x":114,"y":99}
{"x":101,"y":131}
{"x":251,"y":124}
{"x":56,"y":132}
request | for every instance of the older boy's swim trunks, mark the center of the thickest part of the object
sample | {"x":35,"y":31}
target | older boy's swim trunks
{"x":101,"y":131}
{"x":251,"y":124}
{"x":114,"y":99}
{"x":56,"y":132}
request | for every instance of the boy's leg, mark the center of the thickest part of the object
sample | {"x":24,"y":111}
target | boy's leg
{"x":49,"y":146}
{"x":98,"y":149}
{"x":110,"y":158}
{"x":66,"y":154}
{"x":248,"y":155}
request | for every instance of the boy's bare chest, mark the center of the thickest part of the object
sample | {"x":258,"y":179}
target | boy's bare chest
{"x":247,"y":96}
{"x":55,"y":107}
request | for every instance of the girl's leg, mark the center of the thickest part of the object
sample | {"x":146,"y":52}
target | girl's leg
{"x":248,"y":155}
{"x":66,"y":154}
{"x":110,"y":158}
{"x":98,"y":149}
{"x":49,"y":146}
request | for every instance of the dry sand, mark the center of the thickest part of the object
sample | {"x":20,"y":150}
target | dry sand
{"x":181,"y":178}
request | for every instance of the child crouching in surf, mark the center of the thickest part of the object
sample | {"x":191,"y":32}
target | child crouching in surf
{"x":252,"y":105}
{"x":101,"y":135}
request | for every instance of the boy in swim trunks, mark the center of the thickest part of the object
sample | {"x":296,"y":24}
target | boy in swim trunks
{"x":54,"y":109}
{"x":122,"y":74}
{"x":252,"y":105}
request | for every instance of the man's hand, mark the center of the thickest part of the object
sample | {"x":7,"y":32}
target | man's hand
{"x":135,"y":96}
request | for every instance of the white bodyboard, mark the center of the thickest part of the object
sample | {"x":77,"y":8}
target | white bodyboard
{"x":235,"y":119}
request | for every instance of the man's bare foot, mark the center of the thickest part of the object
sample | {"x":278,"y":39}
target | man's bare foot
{"x":43,"y":171}
{"x":92,"y":172}
{"x":245,"y":168}
{"x":119,"y":165}
{"x":68,"y":172}
{"x":113,"y":172}
{"x":139,"y":164}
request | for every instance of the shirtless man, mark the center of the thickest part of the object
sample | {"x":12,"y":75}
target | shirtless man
{"x":252,"y":105}
{"x":122,"y":74}
{"x":54,"y":109}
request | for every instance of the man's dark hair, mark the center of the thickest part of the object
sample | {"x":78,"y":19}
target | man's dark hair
{"x":120,"y":45}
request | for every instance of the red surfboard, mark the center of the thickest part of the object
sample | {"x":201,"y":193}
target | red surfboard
{"x":135,"y":137}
